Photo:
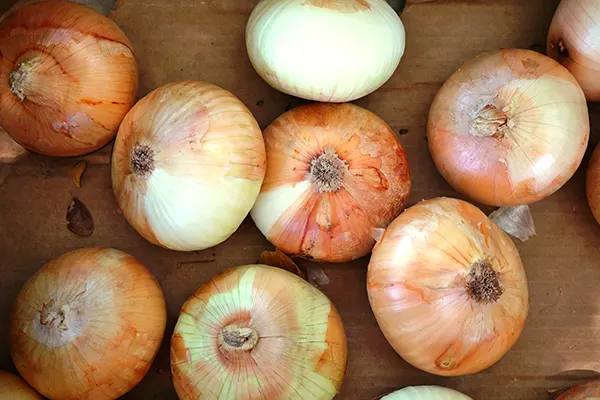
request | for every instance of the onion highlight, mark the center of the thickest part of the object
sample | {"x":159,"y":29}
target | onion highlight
{"x":426,"y":393}
{"x":448,"y":288}
{"x":68,"y":76}
{"x":258,"y":332}
{"x":187,"y":165}
{"x":593,"y":183}
{"x":87,"y":325}
{"x":334,"y":173}
{"x":13,"y":387}
{"x":509,"y":128}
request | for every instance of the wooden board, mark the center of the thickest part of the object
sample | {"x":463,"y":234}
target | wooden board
{"x":204,"y":39}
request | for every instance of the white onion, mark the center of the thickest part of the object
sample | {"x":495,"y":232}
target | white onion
{"x":325,"y":50}
{"x":426,"y":393}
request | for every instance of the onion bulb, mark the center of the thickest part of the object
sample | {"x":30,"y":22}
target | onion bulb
{"x":587,"y":391}
{"x":325,"y":50}
{"x":448,"y":288}
{"x":68,"y":76}
{"x":13,"y":387}
{"x":426,"y":393}
{"x":593,"y":183}
{"x":258,"y":332}
{"x":10,"y":151}
{"x":187,"y":165}
{"x":509,"y":128}
{"x":335,"y":172}
{"x":87,"y":325}
{"x":574,"y":40}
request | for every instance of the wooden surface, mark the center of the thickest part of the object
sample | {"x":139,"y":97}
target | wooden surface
{"x":204,"y":39}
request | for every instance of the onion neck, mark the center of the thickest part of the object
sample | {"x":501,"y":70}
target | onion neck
{"x":142,"y":160}
{"x":238,"y":338}
{"x":483,"y":284}
{"x":490,"y":121}
{"x":327,"y":171}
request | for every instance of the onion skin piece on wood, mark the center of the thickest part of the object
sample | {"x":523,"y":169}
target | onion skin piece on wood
{"x":587,"y":391}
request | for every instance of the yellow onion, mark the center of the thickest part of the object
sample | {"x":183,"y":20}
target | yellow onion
{"x":574,"y":40}
{"x":68,"y":76}
{"x":13,"y":387}
{"x":187,"y":166}
{"x":448,"y":288}
{"x":10,"y":151}
{"x":335,"y":172}
{"x":509,"y":128}
{"x":325,"y":50}
{"x":258,"y":332}
{"x":426,"y":393}
{"x":87,"y":325}
{"x":587,"y":391}
{"x":593,"y":183}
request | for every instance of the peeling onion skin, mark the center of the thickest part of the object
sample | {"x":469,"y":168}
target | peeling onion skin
{"x":187,"y":166}
{"x":74,"y":70}
{"x":593,"y":184}
{"x":573,"y":40}
{"x":509,"y":128}
{"x":352,"y":49}
{"x":13,"y":387}
{"x":587,"y":391}
{"x":448,"y":288}
{"x":87,"y":325}
{"x":330,"y":218}
{"x":295,"y":344}
{"x":426,"y":393}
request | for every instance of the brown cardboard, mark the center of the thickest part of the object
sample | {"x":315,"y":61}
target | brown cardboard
{"x":204,"y":39}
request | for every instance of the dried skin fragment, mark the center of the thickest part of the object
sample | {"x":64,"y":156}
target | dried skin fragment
{"x":78,"y":172}
{"x":317,"y":277}
{"x":79,"y":218}
{"x":516,"y":221}
{"x":280,"y":260}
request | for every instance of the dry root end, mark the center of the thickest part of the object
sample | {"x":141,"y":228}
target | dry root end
{"x":142,"y":160}
{"x":483,"y":284}
{"x":54,"y":318}
{"x":18,"y":78}
{"x":327,"y":171}
{"x":490,"y":121}
{"x":237,"y":338}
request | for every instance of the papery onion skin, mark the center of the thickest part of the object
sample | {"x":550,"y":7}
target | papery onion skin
{"x":574,"y":40}
{"x":351,"y":49}
{"x":587,"y":391}
{"x":509,"y":128}
{"x":448,"y":288}
{"x":295,"y":345}
{"x":187,"y":166}
{"x":593,"y":183}
{"x":87,"y":325}
{"x":13,"y":387}
{"x":68,"y":76}
{"x":330,"y":219}
{"x":426,"y":393}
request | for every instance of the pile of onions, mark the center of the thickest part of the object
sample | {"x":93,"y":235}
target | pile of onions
{"x":426,"y":393}
{"x":258,"y":332}
{"x":587,"y":391}
{"x":574,"y":40}
{"x":13,"y":387}
{"x":68,"y":76}
{"x":509,"y":128}
{"x":87,"y":325}
{"x":187,"y":165}
{"x":448,"y":288}
{"x":335,"y":172}
{"x":325,"y":50}
{"x":593,"y":183}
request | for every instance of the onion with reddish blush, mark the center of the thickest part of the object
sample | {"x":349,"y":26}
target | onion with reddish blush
{"x":12,"y":387}
{"x":448,"y":288}
{"x":593,"y":183}
{"x":509,"y":128}
{"x":335,"y":173}
{"x":426,"y":393}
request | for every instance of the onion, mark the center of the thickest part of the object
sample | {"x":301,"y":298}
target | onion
{"x":325,"y":50}
{"x":10,"y":151}
{"x":258,"y":332}
{"x":509,"y":128}
{"x":187,"y":166}
{"x":13,"y":387}
{"x":87,"y":325}
{"x":574,"y":40}
{"x":334,"y":173}
{"x":448,"y":288}
{"x":587,"y":391}
{"x":593,"y":183}
{"x":426,"y":393}
{"x":68,"y":76}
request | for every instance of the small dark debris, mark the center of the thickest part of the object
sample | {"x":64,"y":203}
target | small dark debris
{"x":403,"y":132}
{"x":289,"y":106}
{"x":260,"y":103}
{"x":79,"y":218}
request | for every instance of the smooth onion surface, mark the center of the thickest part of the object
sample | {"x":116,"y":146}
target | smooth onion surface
{"x":68,"y":76}
{"x":325,"y":50}
{"x":448,"y":288}
{"x":187,"y":166}
{"x":509,"y":128}
{"x":574,"y":40}
{"x":334,"y":173}
{"x":593,"y":183}
{"x":426,"y":393}
{"x":587,"y":391}
{"x":258,"y":332}
{"x":12,"y":387}
{"x":87,"y":325}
